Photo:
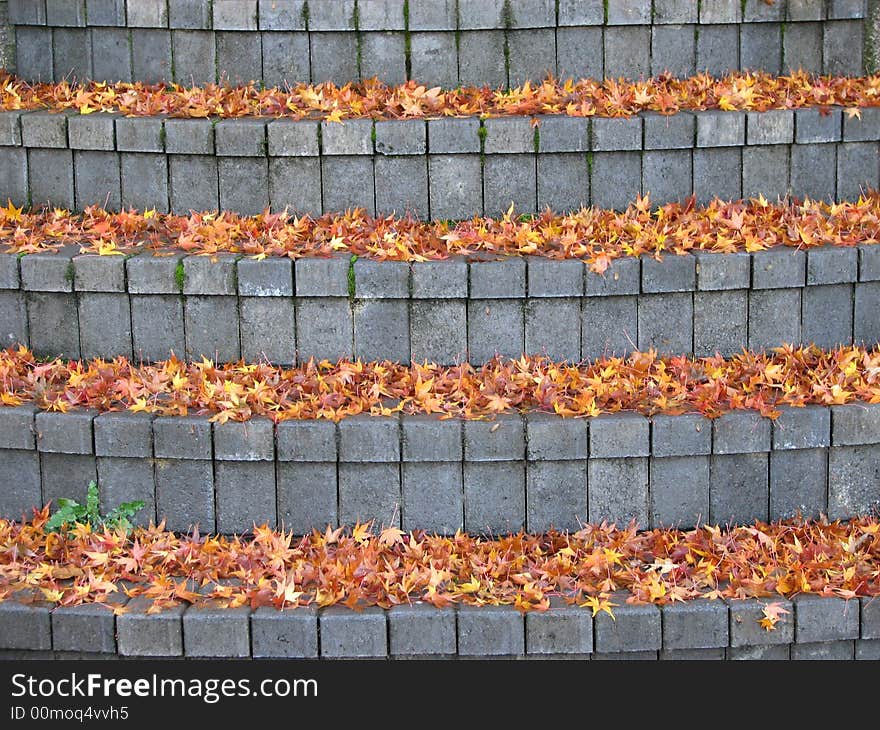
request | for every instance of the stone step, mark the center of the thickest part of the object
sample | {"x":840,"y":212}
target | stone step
{"x":814,"y":628}
{"x":438,"y":42}
{"x":227,"y":307}
{"x":451,"y":168}
{"x":517,"y":472}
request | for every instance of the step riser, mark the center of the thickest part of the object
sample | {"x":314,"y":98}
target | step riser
{"x":813,"y":628}
{"x":438,"y":169}
{"x":440,"y":476}
{"x":247,"y":40}
{"x":444,"y":312}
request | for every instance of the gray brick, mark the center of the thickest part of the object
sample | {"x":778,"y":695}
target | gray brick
{"x":241,"y":137}
{"x":870,"y":618}
{"x":718,"y":271}
{"x":857,"y":169}
{"x":561,"y":133}
{"x":209,"y":274}
{"x":111,"y":54}
{"x":433,"y":15}
{"x":17,"y":427}
{"x":802,"y":47}
{"x":151,"y":55}
{"x":770,"y":318}
{"x":718,"y":49}
{"x":813,"y":171}
{"x":556,"y":493}
{"x":369,"y":438}
{"x":99,"y":273}
{"x":580,"y":12}
{"x":869,"y":262}
{"x":295,"y":184}
{"x":369,"y":492}
{"x":267,"y":329}
{"x":673,"y":50}
{"x":490,"y":631}
{"x":324,"y":328}
{"x":778,"y":267}
{"x":251,"y":440}
{"x":289,"y":634}
{"x":840,"y":38}
{"x":816,"y":125}
{"x":189,"y":136}
{"x":123,"y":433}
{"x":14,"y":175}
{"x":846,"y":9}
{"x":688,"y":434}
{"x":712,"y":178}
{"x":674,"y":11}
{"x":92,"y":132}
{"x":622,"y":276}
{"x":402,"y":185}
{"x":66,"y":476}
{"x":580,"y":53}
{"x":855,"y":424}
{"x":720,"y":323}
{"x":531,"y":55}
{"x":185,"y":494}
{"x":149,"y":13}
{"x":306,"y":441}
{"x":192,"y":13}
{"x":25,"y":625}
{"x":866,"y":326}
{"x":194,"y":185}
{"x":245,"y":493}
{"x":22,"y":468}
{"x":87,"y":627}
{"x":623,"y":434}
{"x":853,"y":476}
{"x":383,"y":55}
{"x":65,"y":433}
{"x":50,"y":271}
{"x":455,"y":185}
{"x":128,"y":480}
{"x":695,"y":625}
{"x":823,"y":651}
{"x":828,"y":315}
{"x":421,"y":630}
{"x":210,"y":630}
{"x":634,"y":627}
{"x":760,"y":47}
{"x":433,"y":58}
{"x":806,"y":10}
{"x":322,"y":277}
{"x":211,"y":326}
{"x":433,"y":494}
{"x":679,"y":491}
{"x":501,"y":278}
{"x":235,"y":14}
{"x":745,"y":623}
{"x":669,"y":274}
{"x":616,"y":133}
{"x":381,"y":330}
{"x":51,"y":177}
{"x":500,"y":440}
{"x":862,"y":128}
{"x":766,"y":171}
{"x":441,"y":279}
{"x":269,"y":277}
{"x":53,"y":325}
{"x":97,"y":178}
{"x":13,"y":314}
{"x":438,"y":330}
{"x":32,"y":60}
{"x":182,"y":437}
{"x":426,"y":438}
{"x":627,"y":52}
{"x":336,"y":172}
{"x":739,"y":488}
{"x":156,"y":634}
{"x":509,"y":180}
{"x":285,"y":58}
{"x":825,"y":619}
{"x":618,"y":490}
{"x":802,"y":428}
{"x":306,"y":496}
{"x":235,"y":192}
{"x":552,"y":438}
{"x":667,"y":175}
{"x":157,"y":326}
{"x":629,"y":12}
{"x":509,"y":135}
{"x":674,"y":131}
{"x":494,"y":497}
{"x":615,"y":179}
{"x":10,"y":128}
{"x":561,"y":629}
{"x":453,"y":135}
{"x":104,"y":325}
{"x":71,"y":53}
{"x":239,"y":56}
{"x":741,"y":432}
{"x":282,"y":15}
{"x":401,"y":137}
{"x":10,"y":277}
{"x":665,"y":323}
{"x":27,"y":12}
{"x":555,"y":277}
{"x":563,"y":182}
{"x":351,"y":137}
{"x":495,"y":326}
{"x":481,"y":58}
{"x":195,"y":59}
{"x":798,"y":483}
{"x":333,"y":56}
{"x":598,"y":339}
{"x":759,"y":653}
{"x":867,"y":650}
{"x":717,"y":654}
{"x":831,"y":265}
{"x":331,"y":15}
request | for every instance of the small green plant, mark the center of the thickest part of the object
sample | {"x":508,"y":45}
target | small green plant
{"x":179,"y":276}
{"x":352,"y":284}
{"x":71,"y":512}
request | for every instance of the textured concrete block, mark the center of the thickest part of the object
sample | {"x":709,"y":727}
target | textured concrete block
{"x":866,"y":326}
{"x":402,"y":185}
{"x":306,"y":441}
{"x":128,"y":480}
{"x":667,"y":175}
{"x":32,"y":61}
{"x":580,"y":53}
{"x":438,"y":330}
{"x":369,"y":492}
{"x":268,"y":329}
{"x":673,"y":50}
{"x":14,"y":175}
{"x":802,"y":428}
{"x":383,"y":55}
{"x":322,"y":277}
{"x":182,"y":437}
{"x":561,"y":630}
{"x":210,"y":630}
{"x":679,"y":491}
{"x":494,"y":497}
{"x":555,"y":278}
{"x":123,"y":434}
{"x":551,"y":438}
{"x":422,"y":630}
{"x":856,"y":169}
{"x":695,"y":625}
{"x":825,"y":619}
{"x":869,"y":263}
{"x":563,"y":182}
{"x":717,"y":271}
{"x":500,"y":440}
{"x":97,"y":177}
{"x":13,"y":315}
{"x":827,"y":313}
{"x":25,"y":625}
{"x":336,"y":172}
{"x":741,"y":432}
{"x":21,"y":468}
{"x":720,"y":322}
{"x":552,"y":328}
{"x":772,"y":127}
{"x":609,"y":134}
{"x":814,"y":126}
{"x":456,"y":187}
{"x":739,"y":488}
{"x":148,"y":274}
{"x":151,"y":55}
{"x":65,"y":433}
{"x":71,"y":53}
{"x":307,"y":495}
{"x":718,"y":49}
{"x":509,"y":180}
{"x":773,"y":318}
{"x":802,"y":47}
{"x":481,"y":58}
{"x":369,"y":438}
{"x":831,"y":265}
{"x":502,"y":278}
{"x":778,"y":267}
{"x":349,"y":634}
{"x":291,"y":634}
{"x":867,"y":649}
{"x":189,"y":14}
{"x":66,"y":476}
{"x":813,"y":171}
{"x":760,"y":47}
{"x":556,"y":495}
{"x":324,"y":328}
{"x":52,"y":324}
{"x":88,"y":627}
{"x":669,"y":274}
{"x":495,"y":326}
{"x":676,"y":131}
{"x":334,"y":57}
{"x":840,"y":38}
{"x":766,"y":171}
{"x":185,"y":494}
{"x":444,"y":279}
{"x":433,"y":495}
{"x":453,"y":135}
{"x":531,"y":55}
{"x":853,"y":479}
{"x":269,"y":277}
{"x":760,"y":653}
{"x":251,"y":440}
{"x":597,"y":338}
{"x":211,"y":326}
{"x":240,"y":137}
{"x":17,"y":427}
{"x":99,"y":273}
{"x":427,"y":438}
{"x":635,"y":627}
{"x":711,"y":177}
{"x":209,"y":274}
{"x":665,"y":322}
{"x":92,"y":132}
{"x":433,"y":58}
{"x":490,"y":631}
{"x":745,"y":623}
{"x":869,"y":618}
{"x":615,"y":179}
{"x":285,"y":58}
{"x":150,"y":634}
{"x":627,"y":52}
{"x":194,"y":183}
{"x":295,"y":184}
{"x":798,"y":483}
{"x":617,"y":435}
{"x":823,"y":651}
{"x":105,"y":325}
{"x":351,"y":137}
{"x":618,"y":490}
{"x":51,"y":177}
{"x":244,"y":184}
{"x":622,"y":276}
{"x":157,"y":326}
{"x":245,"y":493}
{"x":195,"y":57}
{"x":239,"y":56}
